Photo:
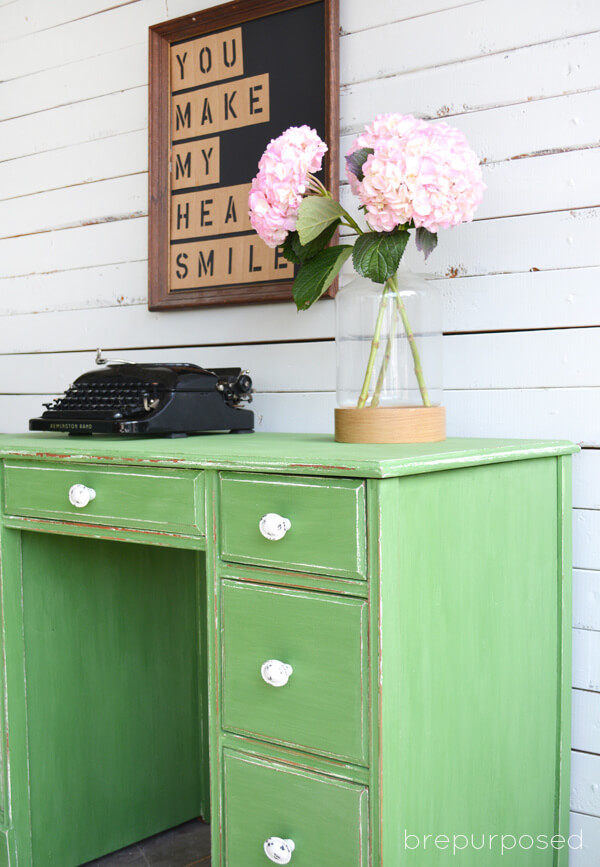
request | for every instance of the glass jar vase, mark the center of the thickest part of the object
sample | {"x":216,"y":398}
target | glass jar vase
{"x":389,"y":361}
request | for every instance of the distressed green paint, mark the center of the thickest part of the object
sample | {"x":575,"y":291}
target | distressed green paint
{"x":296,"y":454}
{"x":321,"y":511}
{"x":379,"y":507}
{"x":139,"y":536}
{"x":296,"y":758}
{"x":564,"y":607}
{"x":464,"y":673}
{"x":15,"y":718}
{"x":167,"y":501}
{"x":4,"y":849}
{"x":324,"y":639}
{"x":112,"y":694}
{"x":266,"y":799}
{"x":200,"y":647}
{"x":213,"y":668}
{"x":299,"y":580}
{"x":469,"y":611}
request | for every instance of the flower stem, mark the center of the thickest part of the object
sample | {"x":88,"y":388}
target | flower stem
{"x":412,"y":343}
{"x":352,"y":224}
{"x":316,"y":185}
{"x":386,"y":358}
{"x":364,"y":394}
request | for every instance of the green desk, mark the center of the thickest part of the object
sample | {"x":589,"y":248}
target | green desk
{"x":345,"y":647}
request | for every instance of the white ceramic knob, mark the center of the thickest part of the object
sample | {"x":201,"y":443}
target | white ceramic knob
{"x":81,"y":495}
{"x":278,"y":850}
{"x":274,"y":527}
{"x":276,"y":673}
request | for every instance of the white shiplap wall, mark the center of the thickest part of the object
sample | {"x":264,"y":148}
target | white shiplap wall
{"x":520,"y":285}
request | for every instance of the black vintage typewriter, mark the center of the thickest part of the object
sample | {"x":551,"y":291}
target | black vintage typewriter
{"x":164,"y":399}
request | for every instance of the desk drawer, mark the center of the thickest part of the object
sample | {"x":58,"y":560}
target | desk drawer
{"x":170,"y":501}
{"x":323,"y":705}
{"x":326,"y":520}
{"x":326,"y":819}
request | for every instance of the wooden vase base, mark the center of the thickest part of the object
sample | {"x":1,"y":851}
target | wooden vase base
{"x":390,"y":424}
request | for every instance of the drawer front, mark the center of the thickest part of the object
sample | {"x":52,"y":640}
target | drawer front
{"x":170,"y":501}
{"x":326,"y":819}
{"x":326,"y":517}
{"x":323,"y":705}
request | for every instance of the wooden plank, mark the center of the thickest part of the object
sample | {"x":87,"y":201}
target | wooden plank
{"x":309,"y":412}
{"x":586,"y":600}
{"x":176,"y":8}
{"x":562,"y":413}
{"x":586,"y":721}
{"x":78,"y":164}
{"x":531,"y":299}
{"x":78,"y":39}
{"x":86,"y":79}
{"x":515,"y":76}
{"x":82,"y":247}
{"x":499,"y":246}
{"x":81,"y":122}
{"x":586,"y":538}
{"x":559,"y":414}
{"x":135,"y":326}
{"x":529,"y":359}
{"x":512,"y":244}
{"x":586,"y":479}
{"x":459,"y":361}
{"x":585,"y":791}
{"x":483,"y":28}
{"x":588,"y":827}
{"x":273,"y":368}
{"x":356,"y":15}
{"x":81,"y":205}
{"x":19,"y":19}
{"x":16,"y":410}
{"x":533,"y":127}
{"x":586,"y":659}
{"x":81,"y":288}
{"x":513,"y":131}
{"x":523,"y":187}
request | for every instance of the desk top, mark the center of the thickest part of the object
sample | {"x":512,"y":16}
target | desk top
{"x":301,"y":454}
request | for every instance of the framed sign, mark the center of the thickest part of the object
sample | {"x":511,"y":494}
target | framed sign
{"x":223,"y":83}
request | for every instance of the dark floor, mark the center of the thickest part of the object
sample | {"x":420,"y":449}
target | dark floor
{"x":184,"y":846}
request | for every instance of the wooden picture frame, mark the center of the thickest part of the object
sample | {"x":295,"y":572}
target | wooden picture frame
{"x":250,"y":69}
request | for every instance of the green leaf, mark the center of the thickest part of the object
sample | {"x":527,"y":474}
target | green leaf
{"x":307,"y":251}
{"x":426,"y":241}
{"x":288,"y":248}
{"x":356,"y":160}
{"x":377,"y":254}
{"x":317,"y":274}
{"x":295,"y":252}
{"x":314,"y":215}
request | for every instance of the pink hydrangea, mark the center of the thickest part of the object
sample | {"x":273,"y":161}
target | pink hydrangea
{"x":282,"y":181}
{"x":418,"y":171}
{"x":383,"y":128}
